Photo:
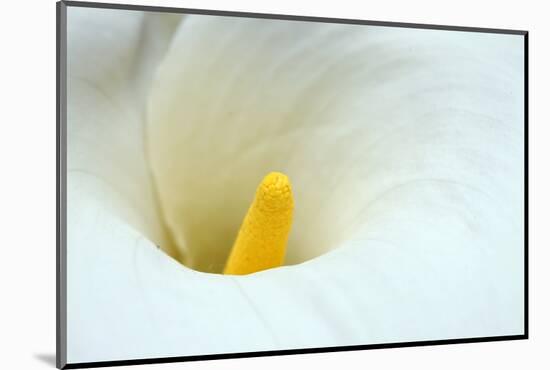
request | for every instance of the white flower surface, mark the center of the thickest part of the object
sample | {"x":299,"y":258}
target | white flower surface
{"x":404,"y":147}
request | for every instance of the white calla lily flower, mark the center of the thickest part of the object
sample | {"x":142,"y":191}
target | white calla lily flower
{"x":405,"y":150}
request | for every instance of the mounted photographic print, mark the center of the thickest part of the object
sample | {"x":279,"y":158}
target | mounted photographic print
{"x":236,"y":184}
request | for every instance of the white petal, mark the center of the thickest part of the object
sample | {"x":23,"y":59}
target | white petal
{"x":393,"y":139}
{"x":110,"y":62}
{"x":405,"y":151}
{"x":127,"y":299}
{"x":111,"y":59}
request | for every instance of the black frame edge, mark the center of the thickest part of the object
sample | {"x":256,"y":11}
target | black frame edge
{"x":164,"y":360}
{"x":227,"y":13}
{"x":526,"y":183}
{"x":61,"y":201}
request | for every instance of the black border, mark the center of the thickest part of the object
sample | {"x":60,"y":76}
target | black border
{"x":526,"y":184}
{"x":61,"y":169}
{"x":61,"y":155}
{"x":287,"y":17}
{"x":222,"y":356}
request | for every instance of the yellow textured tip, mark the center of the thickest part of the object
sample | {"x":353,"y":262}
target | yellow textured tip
{"x":261,"y":242}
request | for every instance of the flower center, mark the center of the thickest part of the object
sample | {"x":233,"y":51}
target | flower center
{"x":261,"y":242}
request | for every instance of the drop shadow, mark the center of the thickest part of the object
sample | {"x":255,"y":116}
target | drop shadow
{"x":47,"y":358}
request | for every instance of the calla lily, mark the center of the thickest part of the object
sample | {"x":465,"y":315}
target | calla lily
{"x":404,"y":147}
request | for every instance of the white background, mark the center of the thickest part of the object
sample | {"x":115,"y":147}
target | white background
{"x":27,"y":196}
